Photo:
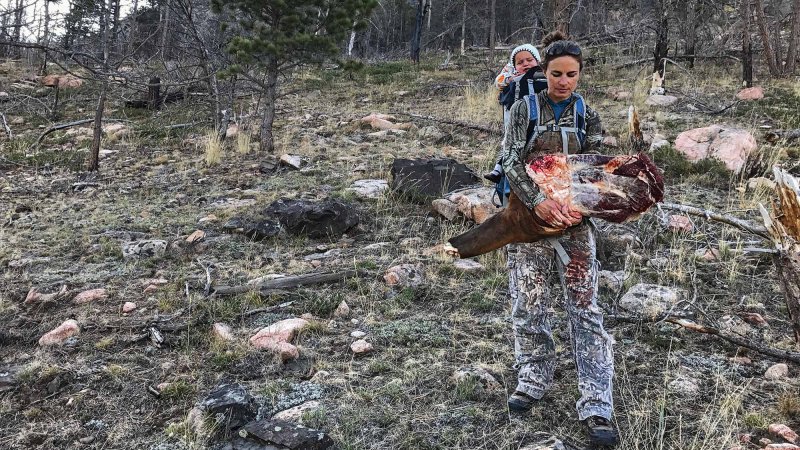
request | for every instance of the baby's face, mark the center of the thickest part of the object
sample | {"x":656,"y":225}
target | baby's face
{"x":524,"y":61}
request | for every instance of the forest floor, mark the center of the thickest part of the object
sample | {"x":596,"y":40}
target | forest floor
{"x":111,"y":386}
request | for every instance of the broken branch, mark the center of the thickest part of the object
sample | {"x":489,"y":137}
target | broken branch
{"x":711,"y":215}
{"x":270,"y":286}
{"x":458,"y":123}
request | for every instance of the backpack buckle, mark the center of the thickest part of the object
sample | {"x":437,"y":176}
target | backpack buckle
{"x":553,"y":127}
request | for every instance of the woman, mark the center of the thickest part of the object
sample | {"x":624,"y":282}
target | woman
{"x":556,"y":130}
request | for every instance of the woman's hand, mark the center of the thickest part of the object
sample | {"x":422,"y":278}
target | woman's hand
{"x":557,"y":214}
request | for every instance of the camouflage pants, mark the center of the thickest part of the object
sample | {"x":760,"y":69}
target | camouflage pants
{"x":530,"y":266}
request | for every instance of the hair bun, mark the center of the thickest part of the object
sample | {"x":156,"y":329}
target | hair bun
{"x":553,"y":36}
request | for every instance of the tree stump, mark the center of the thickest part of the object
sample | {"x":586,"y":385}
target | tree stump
{"x":783,"y":226}
{"x":154,"y":93}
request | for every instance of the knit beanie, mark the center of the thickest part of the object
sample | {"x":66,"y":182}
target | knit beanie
{"x":526,"y":48}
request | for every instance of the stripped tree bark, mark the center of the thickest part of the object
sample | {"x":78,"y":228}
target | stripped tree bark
{"x":783,"y":226}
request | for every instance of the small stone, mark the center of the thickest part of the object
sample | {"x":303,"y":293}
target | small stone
{"x":751,"y":93}
{"x":468,"y":266}
{"x":445,"y":208}
{"x":150,"y":289}
{"x":355,"y":321}
{"x":754,"y":319}
{"x":293,"y":161}
{"x":128,"y":307}
{"x":743,"y":360}
{"x":369,"y":188}
{"x":295,"y":414}
{"x":208,"y":218}
{"x":86,"y":440}
{"x":684,"y":386}
{"x":611,"y":280}
{"x":708,"y":254}
{"x":486,"y":379}
{"x":342,"y":310}
{"x":60,"y":334}
{"x":610,"y":141}
{"x":222,"y":332}
{"x":777,"y":372}
{"x":765,"y":441}
{"x":677,"y":223}
{"x":361,"y":347}
{"x":651,"y":299}
{"x":277,"y":338}
{"x":90,"y":296}
{"x":783,"y":431}
{"x":144,"y":249}
{"x":197,"y":236}
{"x":782,"y":446}
{"x":405,"y":275}
{"x":661,"y":100}
{"x":358,"y":334}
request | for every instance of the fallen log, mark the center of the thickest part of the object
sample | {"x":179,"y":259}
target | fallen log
{"x":281,"y":284}
{"x":458,"y":123}
{"x":787,"y":135}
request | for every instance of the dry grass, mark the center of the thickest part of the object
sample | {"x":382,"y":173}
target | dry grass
{"x":213,"y":148}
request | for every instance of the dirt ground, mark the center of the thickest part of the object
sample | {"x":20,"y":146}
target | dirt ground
{"x":113,"y":386}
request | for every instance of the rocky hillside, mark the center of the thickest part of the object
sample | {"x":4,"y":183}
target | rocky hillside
{"x":194,"y":295}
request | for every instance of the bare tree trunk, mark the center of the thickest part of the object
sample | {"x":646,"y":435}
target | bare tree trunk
{"x":691,"y":30}
{"x":422,"y":9}
{"x":45,"y":37}
{"x":492,"y":33}
{"x":19,"y":17}
{"x":794,"y":36}
{"x":784,"y":228}
{"x":133,"y":29}
{"x":747,"y":50}
{"x":762,"y":28}
{"x":267,"y":141}
{"x":165,"y":31}
{"x":154,"y":93}
{"x":463,"y":28}
{"x":662,"y":37}
{"x":94,"y":157}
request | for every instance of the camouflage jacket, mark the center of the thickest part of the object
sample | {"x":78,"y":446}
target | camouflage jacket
{"x":516,"y":151}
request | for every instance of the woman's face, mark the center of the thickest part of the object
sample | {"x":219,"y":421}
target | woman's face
{"x":524,"y":61}
{"x":562,"y":77}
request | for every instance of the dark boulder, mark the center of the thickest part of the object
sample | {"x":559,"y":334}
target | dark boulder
{"x":423,"y":180}
{"x":330,"y":218}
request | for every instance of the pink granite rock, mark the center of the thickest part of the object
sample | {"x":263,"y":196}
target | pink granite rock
{"x":360,"y":347}
{"x":783,"y":431}
{"x":90,"y":296}
{"x":752,"y":93}
{"x":405,"y":275}
{"x":678,"y":223}
{"x":278,"y":336}
{"x":128,"y":307}
{"x":58,"y":335}
{"x":222,"y":332}
{"x":729,"y":145}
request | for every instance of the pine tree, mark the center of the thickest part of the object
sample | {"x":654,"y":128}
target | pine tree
{"x":279,"y":35}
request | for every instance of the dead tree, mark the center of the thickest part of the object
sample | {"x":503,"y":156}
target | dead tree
{"x":783,"y":226}
{"x":691,"y":31}
{"x":94,"y":161}
{"x":794,"y":37}
{"x":422,"y":10}
{"x":747,"y":49}
{"x":662,"y":37}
